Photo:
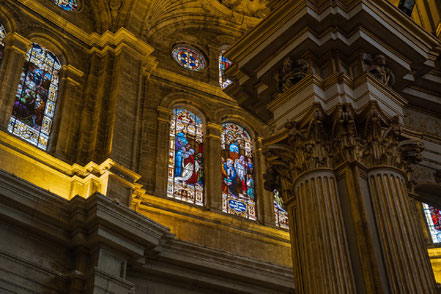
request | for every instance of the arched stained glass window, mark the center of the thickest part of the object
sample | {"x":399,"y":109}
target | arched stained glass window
{"x":433,"y":219}
{"x":36,"y":97}
{"x":2,"y":42}
{"x":188,"y":58}
{"x":186,"y":158}
{"x":68,"y":5}
{"x":224,"y":64}
{"x":238,"y":193}
{"x":281,"y":216}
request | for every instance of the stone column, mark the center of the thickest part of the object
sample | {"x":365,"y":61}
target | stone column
{"x":405,"y":256}
{"x":164,"y":115}
{"x":342,"y":176}
{"x":319,"y":235}
{"x":12,"y":66}
{"x":213,"y":173}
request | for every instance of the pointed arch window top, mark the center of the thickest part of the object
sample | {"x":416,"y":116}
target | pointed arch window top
{"x":36,"y":97}
{"x":68,"y":5}
{"x":189,"y":58}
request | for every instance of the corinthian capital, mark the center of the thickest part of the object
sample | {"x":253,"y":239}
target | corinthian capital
{"x":326,"y":140}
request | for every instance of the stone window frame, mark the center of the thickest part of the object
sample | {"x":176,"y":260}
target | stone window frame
{"x":16,"y":47}
{"x":212,"y":157}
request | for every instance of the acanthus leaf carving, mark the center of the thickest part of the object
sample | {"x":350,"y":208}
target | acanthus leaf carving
{"x":326,"y":141}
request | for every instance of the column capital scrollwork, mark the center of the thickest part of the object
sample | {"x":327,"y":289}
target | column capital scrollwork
{"x":327,"y":140}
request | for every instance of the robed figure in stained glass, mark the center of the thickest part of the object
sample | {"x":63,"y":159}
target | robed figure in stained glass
{"x":185,"y":172}
{"x":238,"y":195}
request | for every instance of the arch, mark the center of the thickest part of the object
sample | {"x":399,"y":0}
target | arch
{"x":36,"y":97}
{"x":186,"y":157}
{"x":194,"y":102}
{"x":238,"y":175}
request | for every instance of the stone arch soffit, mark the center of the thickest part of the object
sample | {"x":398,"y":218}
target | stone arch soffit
{"x":193,"y":23}
{"x":191,"y":102}
{"x":101,"y":13}
{"x":7,"y":19}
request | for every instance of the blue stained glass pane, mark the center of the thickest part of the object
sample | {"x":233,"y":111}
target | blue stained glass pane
{"x":188,"y":58}
{"x":68,"y":5}
{"x":433,"y":218}
{"x":224,"y":64}
{"x":238,"y":193}
{"x":35,"y":99}
{"x":186,"y":158}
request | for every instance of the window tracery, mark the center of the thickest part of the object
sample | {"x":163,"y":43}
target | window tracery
{"x":2,"y":42}
{"x":36,"y":97}
{"x":433,"y":219}
{"x":68,"y":5}
{"x":189,"y":58}
{"x":186,"y":158}
{"x":238,"y":192}
{"x":224,"y":64}
{"x":281,"y":216}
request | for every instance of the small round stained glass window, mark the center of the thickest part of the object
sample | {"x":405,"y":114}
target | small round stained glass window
{"x":188,"y":58}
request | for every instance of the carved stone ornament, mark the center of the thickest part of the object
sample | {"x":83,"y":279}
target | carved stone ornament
{"x":325,"y":141}
{"x":376,"y":65}
{"x":291,"y":73}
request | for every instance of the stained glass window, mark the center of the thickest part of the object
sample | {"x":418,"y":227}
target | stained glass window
{"x":68,"y":5}
{"x":2,"y":42}
{"x":238,"y":193}
{"x":186,"y":158}
{"x":36,"y":97}
{"x":433,"y":218}
{"x":188,"y":58}
{"x":224,"y":64}
{"x":281,"y":215}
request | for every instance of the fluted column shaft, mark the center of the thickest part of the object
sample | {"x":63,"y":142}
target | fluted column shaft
{"x":406,"y":261}
{"x":320,"y":250}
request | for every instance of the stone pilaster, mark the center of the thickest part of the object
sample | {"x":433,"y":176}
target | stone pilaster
{"x":213,"y":179}
{"x":164,"y":115}
{"x":14,"y":52}
{"x":264,"y":198}
{"x":68,"y":114}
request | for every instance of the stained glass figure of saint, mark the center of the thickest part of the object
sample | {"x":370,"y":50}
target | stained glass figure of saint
{"x":36,"y":97}
{"x":68,"y":5}
{"x":2,"y":42}
{"x":433,"y":218}
{"x":186,"y":158}
{"x":238,"y":192}
{"x":281,"y":216}
{"x":224,"y":64}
